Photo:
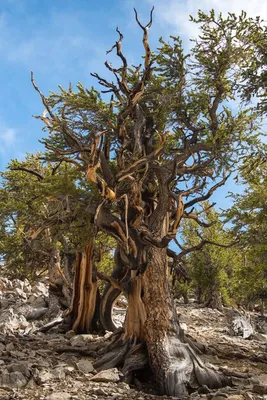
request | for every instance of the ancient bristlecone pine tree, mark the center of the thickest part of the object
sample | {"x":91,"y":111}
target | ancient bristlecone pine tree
{"x":161,"y":145}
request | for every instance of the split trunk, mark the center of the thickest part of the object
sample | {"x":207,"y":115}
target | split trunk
{"x":82,"y":315}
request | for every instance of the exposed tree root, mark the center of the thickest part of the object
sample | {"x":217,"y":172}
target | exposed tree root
{"x":51,"y":324}
{"x":241,"y":375}
{"x":78,"y":350}
{"x":127,"y":355}
{"x":183,"y":371}
{"x":114,"y":357}
{"x":135,"y":360}
{"x":35,"y":313}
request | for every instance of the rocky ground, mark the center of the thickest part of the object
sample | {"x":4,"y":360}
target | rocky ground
{"x":56,"y":366}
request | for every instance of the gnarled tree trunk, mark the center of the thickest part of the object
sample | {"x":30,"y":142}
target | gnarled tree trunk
{"x":82,"y":315}
{"x":110,"y":294}
{"x":151,"y":328}
{"x":174,"y":362}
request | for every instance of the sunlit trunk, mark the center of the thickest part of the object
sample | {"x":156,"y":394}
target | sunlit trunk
{"x":136,"y":313}
{"x":83,"y":307}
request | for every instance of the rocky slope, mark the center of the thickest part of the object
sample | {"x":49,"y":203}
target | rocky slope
{"x":56,"y":366}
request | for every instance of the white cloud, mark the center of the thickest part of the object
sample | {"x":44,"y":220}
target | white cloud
{"x":7,"y":137}
{"x":175,"y":13}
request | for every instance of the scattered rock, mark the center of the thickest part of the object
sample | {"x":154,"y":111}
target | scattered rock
{"x":12,"y":380}
{"x":44,"y":376}
{"x":183,"y":326}
{"x":30,"y":369}
{"x":17,"y":379}
{"x":260,"y":389}
{"x":100,"y":392}
{"x":260,"y":337}
{"x":70,"y":334}
{"x":41,"y":289}
{"x":82,"y":340}
{"x":108,"y":375}
{"x":37,"y":302}
{"x":10,"y":347}
{"x":31,"y":384}
{"x":5,"y":394}
{"x":261,"y":324}
{"x":59,"y":396}
{"x":59,"y":372}
{"x":20,"y":367}
{"x":85,"y":366}
{"x":11,"y":322}
{"x":20,"y":293}
{"x":36,"y":313}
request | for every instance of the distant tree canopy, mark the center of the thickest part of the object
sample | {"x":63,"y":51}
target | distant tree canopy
{"x":134,"y":168}
{"x":248,"y":219}
{"x":213,"y":268}
{"x":40,"y":205}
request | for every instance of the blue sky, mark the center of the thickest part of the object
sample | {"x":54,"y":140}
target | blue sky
{"x":65,"y":40}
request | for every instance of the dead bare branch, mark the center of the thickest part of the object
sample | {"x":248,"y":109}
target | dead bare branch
{"x":200,"y":245}
{"x":145,"y":37}
{"x":197,"y":220}
{"x":123,"y":70}
{"x":43,"y":98}
{"x":208,"y":194}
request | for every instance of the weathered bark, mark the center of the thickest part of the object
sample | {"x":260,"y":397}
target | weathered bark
{"x":85,"y":297}
{"x":151,"y":321}
{"x":136,"y":312}
{"x":109,"y":297}
{"x":174,"y":362}
{"x":110,"y":294}
{"x":151,"y":327}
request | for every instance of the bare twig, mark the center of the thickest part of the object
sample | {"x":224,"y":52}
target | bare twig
{"x":44,"y":100}
{"x":145,"y":37}
{"x":200,"y":245}
{"x":208,"y":194}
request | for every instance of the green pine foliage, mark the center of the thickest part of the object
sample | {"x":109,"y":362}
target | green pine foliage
{"x":213,"y":268}
{"x":248,"y":218}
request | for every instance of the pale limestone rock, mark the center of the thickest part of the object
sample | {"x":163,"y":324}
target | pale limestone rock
{"x":108,"y":375}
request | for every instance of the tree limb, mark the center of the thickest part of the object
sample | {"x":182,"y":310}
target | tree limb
{"x":200,"y":245}
{"x":39,"y":176}
{"x":208,"y":194}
